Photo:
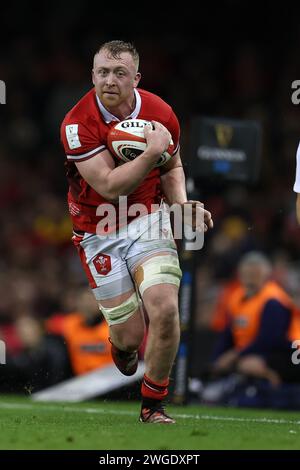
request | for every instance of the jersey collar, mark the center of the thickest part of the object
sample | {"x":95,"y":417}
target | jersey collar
{"x":108,"y":117}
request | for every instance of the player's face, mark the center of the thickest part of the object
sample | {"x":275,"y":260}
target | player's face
{"x":115,"y":79}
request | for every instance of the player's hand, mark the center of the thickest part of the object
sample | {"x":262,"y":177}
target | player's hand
{"x":199,"y":218}
{"x":158,"y":137}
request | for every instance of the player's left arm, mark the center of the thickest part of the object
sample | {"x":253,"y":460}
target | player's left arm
{"x":173,"y":187}
{"x":172,"y":179}
{"x":173,"y":183}
{"x":172,"y":174}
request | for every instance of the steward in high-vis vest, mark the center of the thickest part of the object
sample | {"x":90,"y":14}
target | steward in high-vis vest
{"x":263,"y":324}
{"x":85,"y":333}
{"x":87,"y":342}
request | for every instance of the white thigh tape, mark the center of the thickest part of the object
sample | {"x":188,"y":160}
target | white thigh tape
{"x":163,"y":269}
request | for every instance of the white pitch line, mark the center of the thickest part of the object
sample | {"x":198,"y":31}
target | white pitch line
{"x":25,"y":406}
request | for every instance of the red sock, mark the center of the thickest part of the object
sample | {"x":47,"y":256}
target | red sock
{"x":154,"y":390}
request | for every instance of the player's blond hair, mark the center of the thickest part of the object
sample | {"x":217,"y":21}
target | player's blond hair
{"x":115,"y":48}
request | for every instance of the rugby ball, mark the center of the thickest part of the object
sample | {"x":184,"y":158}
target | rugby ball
{"x":126,"y":141}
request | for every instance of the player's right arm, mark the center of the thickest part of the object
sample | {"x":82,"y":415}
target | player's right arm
{"x":110,"y":181}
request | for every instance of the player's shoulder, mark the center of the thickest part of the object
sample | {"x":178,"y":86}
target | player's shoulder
{"x":154,"y":107}
{"x":84,"y":111}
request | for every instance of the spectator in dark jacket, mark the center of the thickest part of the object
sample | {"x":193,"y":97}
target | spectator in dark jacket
{"x":263,"y":322}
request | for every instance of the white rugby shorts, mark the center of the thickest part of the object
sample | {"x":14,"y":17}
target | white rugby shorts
{"x":109,"y":262}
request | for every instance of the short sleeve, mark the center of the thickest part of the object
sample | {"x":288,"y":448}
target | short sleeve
{"x":174,"y":128}
{"x":297,"y":180}
{"x":80,"y":143}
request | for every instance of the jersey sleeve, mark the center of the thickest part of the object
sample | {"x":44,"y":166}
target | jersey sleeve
{"x":297,"y":179}
{"x":173,"y":127}
{"x":80,"y":142}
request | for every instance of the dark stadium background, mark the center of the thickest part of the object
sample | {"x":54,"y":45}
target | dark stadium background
{"x":229,"y":58}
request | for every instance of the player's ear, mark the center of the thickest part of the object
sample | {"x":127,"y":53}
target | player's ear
{"x":137,"y":79}
{"x":93,"y":77}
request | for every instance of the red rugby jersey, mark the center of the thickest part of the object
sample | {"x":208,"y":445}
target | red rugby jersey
{"x":84,"y":135}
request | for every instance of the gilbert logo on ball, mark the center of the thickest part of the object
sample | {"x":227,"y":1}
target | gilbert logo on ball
{"x":126,"y":141}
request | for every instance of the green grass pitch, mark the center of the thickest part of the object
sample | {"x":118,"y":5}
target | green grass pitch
{"x":107,"y":425}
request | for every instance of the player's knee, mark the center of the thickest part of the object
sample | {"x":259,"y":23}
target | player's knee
{"x":130,"y":341}
{"x":165,"y":319}
{"x":132,"y":344}
{"x":129,"y":335}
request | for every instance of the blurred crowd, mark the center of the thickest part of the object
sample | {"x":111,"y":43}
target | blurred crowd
{"x":215,"y":65}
